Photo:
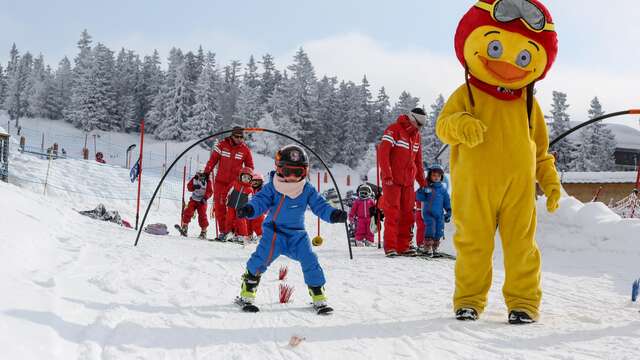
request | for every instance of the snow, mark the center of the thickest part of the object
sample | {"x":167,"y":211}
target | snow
{"x":607,"y":177}
{"x":75,"y":288}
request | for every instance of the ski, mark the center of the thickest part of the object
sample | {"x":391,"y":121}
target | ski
{"x":179,"y":228}
{"x":436,"y":256}
{"x":246,"y":306}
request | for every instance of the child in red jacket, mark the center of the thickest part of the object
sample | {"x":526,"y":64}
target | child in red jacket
{"x":238,"y":196}
{"x":201,"y":190}
{"x":255,"y":225}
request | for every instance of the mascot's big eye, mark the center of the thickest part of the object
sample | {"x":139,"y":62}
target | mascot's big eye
{"x":495,"y":49}
{"x":524,"y":58}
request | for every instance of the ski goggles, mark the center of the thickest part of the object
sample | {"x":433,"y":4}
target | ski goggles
{"x":246,"y":178}
{"x":505,"y":11}
{"x":364,"y":194}
{"x":286,"y":171}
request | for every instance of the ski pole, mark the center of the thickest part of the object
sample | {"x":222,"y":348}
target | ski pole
{"x":378,"y":197}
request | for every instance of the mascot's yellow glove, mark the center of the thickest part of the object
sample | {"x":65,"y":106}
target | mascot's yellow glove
{"x":553,"y":194}
{"x":470,"y":131}
{"x":317,"y":241}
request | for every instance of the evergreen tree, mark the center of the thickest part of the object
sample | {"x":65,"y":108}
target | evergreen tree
{"x":303,"y":88}
{"x":60,"y":95}
{"x":269,"y":78}
{"x":205,"y":117}
{"x":178,"y":110}
{"x":158,"y":111}
{"x":381,"y":115}
{"x":250,"y":110}
{"x":431,"y":144}
{"x":149,"y":84}
{"x":326,"y":125}
{"x":230,"y":93}
{"x":405,"y":103}
{"x":103,"y":98}
{"x":565,"y":150}
{"x":80,"y":107}
{"x":597,"y":144}
{"x":125,"y":83}
{"x":38,"y":90}
{"x":16,"y":102}
{"x":3,"y":87}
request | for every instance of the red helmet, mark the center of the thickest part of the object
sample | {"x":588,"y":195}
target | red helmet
{"x":246,"y":171}
{"x":519,"y":16}
{"x":257,"y":176}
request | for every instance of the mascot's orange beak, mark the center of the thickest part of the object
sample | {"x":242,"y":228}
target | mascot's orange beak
{"x":503,"y":70}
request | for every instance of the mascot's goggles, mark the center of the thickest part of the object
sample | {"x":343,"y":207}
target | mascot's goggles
{"x":505,"y":11}
{"x":287,"y":170}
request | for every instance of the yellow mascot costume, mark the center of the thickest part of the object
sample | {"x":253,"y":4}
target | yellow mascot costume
{"x":499,"y":148}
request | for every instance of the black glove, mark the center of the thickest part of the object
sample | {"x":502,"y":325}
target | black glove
{"x":372,"y":211}
{"x":244,"y":211}
{"x":196,"y":186}
{"x":447,"y":218}
{"x":381,"y":215}
{"x":338,"y":216}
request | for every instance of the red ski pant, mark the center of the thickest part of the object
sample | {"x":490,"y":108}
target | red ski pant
{"x":202,"y":213}
{"x":419,"y":228}
{"x":255,"y":225}
{"x":237,"y":226}
{"x":220,"y":191}
{"x":363,"y":229}
{"x":398,"y":210}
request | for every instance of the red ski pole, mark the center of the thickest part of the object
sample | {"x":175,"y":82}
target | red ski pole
{"x":378,"y":197}
{"x":184,"y":180}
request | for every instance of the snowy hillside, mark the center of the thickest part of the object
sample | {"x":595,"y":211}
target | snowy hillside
{"x":75,"y":288}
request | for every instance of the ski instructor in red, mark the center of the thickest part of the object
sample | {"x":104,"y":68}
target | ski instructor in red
{"x":230,"y":155}
{"x":400,"y":155}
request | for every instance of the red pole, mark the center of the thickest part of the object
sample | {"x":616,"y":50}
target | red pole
{"x":638,"y":176}
{"x":184,"y":180}
{"x":140,"y":168}
{"x":318,"y":192}
{"x":379,"y":189}
{"x":213,"y":203}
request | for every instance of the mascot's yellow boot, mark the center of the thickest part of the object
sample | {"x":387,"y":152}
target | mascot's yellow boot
{"x":499,"y":147}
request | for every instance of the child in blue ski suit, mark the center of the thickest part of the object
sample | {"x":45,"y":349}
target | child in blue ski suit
{"x":436,"y":209}
{"x":286,"y":198}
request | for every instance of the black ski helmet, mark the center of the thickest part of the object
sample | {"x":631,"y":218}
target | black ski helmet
{"x":435,"y":168}
{"x":292,"y":159}
{"x":364,"y":191}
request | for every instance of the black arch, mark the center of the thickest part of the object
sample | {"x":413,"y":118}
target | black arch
{"x":254,"y":130}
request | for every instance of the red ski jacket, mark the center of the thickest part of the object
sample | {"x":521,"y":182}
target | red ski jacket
{"x":201,"y":189}
{"x":230,"y":159}
{"x":400,"y":154}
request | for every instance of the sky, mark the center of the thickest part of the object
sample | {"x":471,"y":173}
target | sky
{"x":401,"y":44}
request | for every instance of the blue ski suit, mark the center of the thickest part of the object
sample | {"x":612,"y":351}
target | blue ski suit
{"x":284,"y":232}
{"x":436,"y":201}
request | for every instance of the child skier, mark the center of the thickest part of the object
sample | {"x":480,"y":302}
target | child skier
{"x":238,"y":196}
{"x":436,"y":209}
{"x":362,"y":210}
{"x":255,"y":225}
{"x":286,"y":198}
{"x":201,"y":190}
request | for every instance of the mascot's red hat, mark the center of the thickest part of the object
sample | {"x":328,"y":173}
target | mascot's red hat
{"x":477,"y":17}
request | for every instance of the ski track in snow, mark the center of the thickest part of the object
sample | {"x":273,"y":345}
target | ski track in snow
{"x":75,"y":288}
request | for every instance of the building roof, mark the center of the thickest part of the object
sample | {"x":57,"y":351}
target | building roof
{"x":626,"y":136}
{"x":604,"y":177}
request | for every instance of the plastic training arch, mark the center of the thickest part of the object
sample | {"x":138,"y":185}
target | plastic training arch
{"x":249,"y":130}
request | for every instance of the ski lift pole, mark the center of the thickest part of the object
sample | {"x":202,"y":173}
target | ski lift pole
{"x":46,"y":179}
{"x":140,"y":171}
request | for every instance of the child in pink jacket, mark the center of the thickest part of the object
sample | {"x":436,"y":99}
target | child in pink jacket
{"x":361,"y":211}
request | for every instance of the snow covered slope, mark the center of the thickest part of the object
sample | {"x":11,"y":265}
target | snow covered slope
{"x":75,"y":288}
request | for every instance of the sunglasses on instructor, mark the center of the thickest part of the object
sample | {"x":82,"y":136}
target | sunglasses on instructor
{"x":505,"y":11}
